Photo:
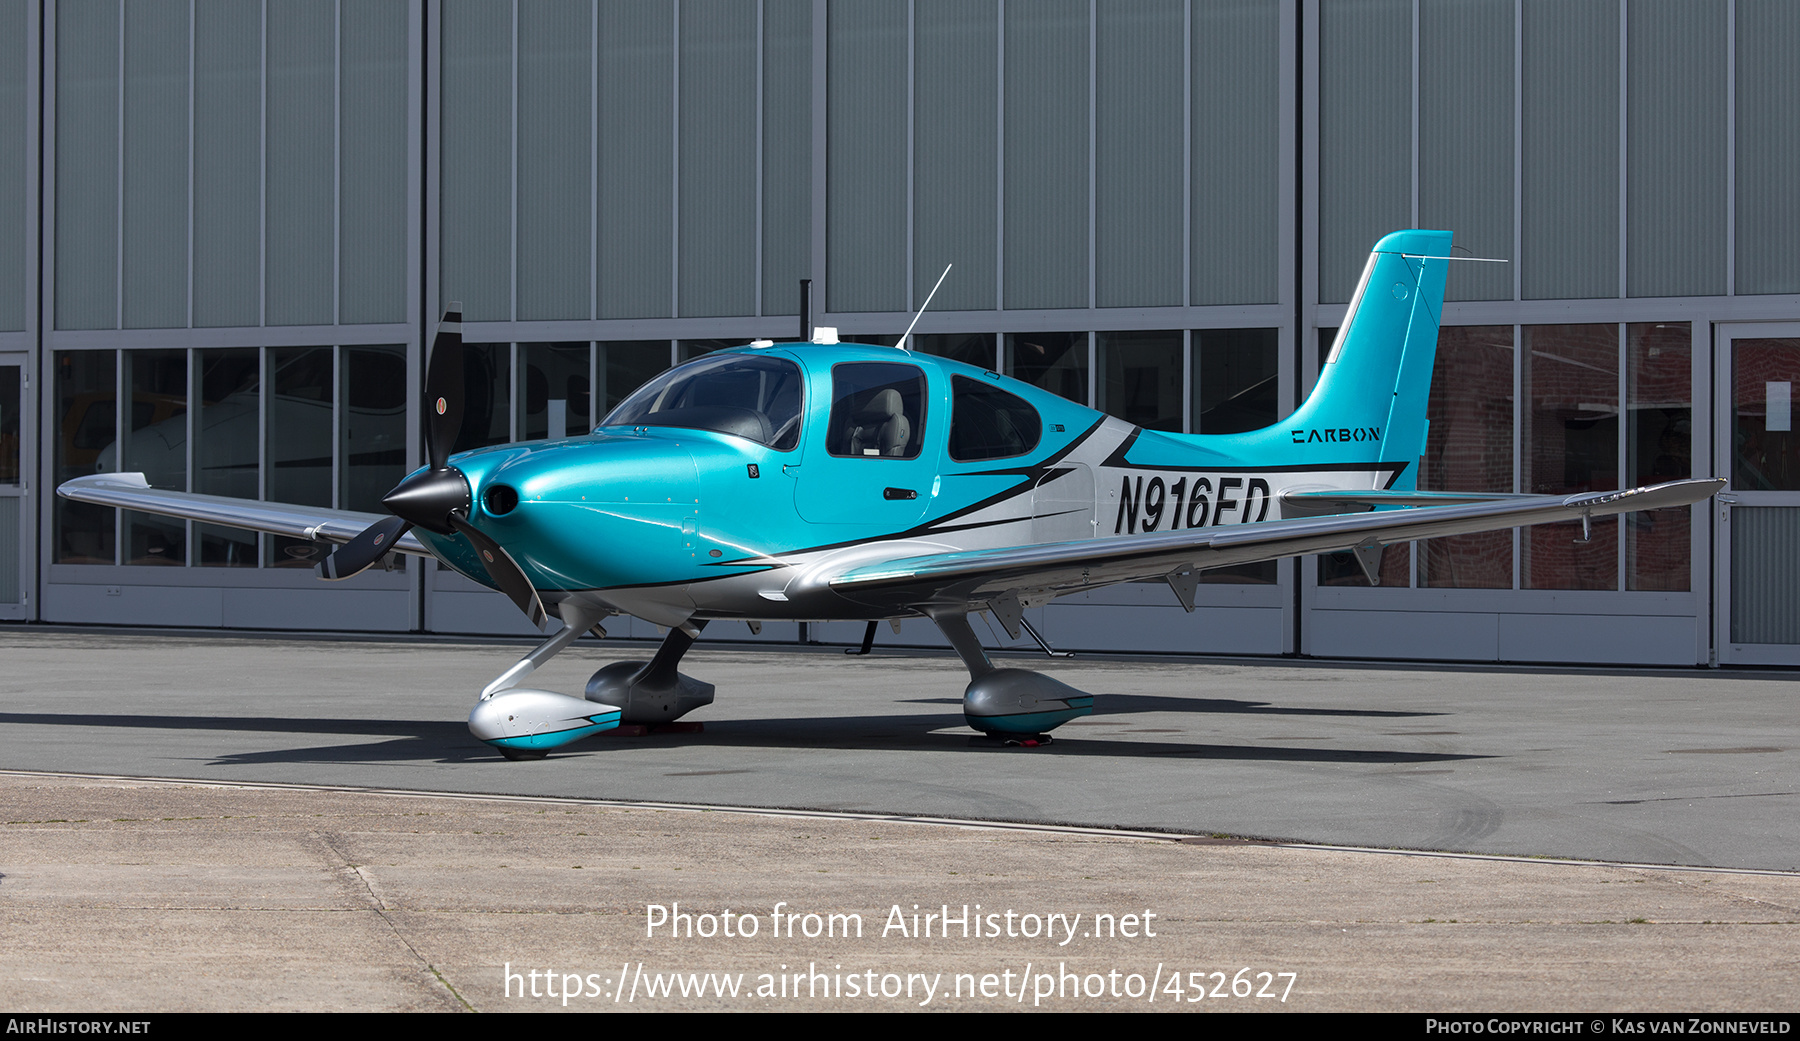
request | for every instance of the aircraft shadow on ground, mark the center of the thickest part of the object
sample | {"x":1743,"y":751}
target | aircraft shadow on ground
{"x":1125,"y":704}
{"x":449,"y":742}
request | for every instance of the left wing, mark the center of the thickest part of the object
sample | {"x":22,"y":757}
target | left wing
{"x":318,"y":523}
{"x":1005,"y":578}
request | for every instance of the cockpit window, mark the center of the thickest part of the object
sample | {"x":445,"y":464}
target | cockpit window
{"x":989,"y":423}
{"x":877,"y":410}
{"x":745,"y":395}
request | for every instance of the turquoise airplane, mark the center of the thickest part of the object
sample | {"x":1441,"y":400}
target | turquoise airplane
{"x":819,"y":480}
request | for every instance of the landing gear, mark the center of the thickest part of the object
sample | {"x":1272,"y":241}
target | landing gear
{"x":524,"y":723}
{"x":653,"y":693}
{"x":1014,"y":705}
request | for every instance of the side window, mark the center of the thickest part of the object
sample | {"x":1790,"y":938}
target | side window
{"x":877,"y":409}
{"x":988,"y":423}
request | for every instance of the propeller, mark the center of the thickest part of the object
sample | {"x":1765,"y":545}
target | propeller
{"x":437,"y":498}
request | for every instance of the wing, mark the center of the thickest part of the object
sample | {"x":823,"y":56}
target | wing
{"x":318,"y":523}
{"x":1005,"y":578}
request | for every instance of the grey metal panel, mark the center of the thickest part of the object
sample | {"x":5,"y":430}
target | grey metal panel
{"x":302,"y":125}
{"x":955,"y":152}
{"x":155,"y":268}
{"x":637,"y":49}
{"x":372,"y":186}
{"x":1767,"y":147}
{"x":1570,"y":225}
{"x":87,"y":164}
{"x":555,"y":190}
{"x":477,"y":148}
{"x":1676,"y":106}
{"x":1625,"y":639}
{"x":1235,"y":177}
{"x":1365,"y":135}
{"x":13,"y":145}
{"x":718,"y":144}
{"x":1139,"y":169}
{"x":1765,"y":574}
{"x":866,"y":161}
{"x":227,"y":163}
{"x":786,"y":152}
{"x":1046,"y":154}
{"x":1466,"y":95}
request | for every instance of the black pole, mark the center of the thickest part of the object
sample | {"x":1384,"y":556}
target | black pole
{"x":806,"y":326}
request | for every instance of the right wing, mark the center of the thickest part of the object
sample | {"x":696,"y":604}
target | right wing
{"x":969,"y":580}
{"x":316,"y":523}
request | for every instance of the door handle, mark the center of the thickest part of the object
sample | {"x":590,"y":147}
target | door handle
{"x":899,"y":493}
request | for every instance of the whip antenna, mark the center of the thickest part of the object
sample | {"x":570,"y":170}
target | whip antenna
{"x":908,"y":333}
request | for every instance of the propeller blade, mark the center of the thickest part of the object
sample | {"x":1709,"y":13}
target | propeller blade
{"x":363,"y":551}
{"x":503,"y":569}
{"x":444,"y":389}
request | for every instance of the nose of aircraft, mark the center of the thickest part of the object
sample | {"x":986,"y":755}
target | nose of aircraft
{"x":429,"y":497}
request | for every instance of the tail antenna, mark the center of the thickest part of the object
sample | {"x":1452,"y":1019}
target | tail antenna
{"x":909,"y":328}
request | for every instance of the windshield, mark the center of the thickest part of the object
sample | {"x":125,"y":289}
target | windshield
{"x":745,"y":395}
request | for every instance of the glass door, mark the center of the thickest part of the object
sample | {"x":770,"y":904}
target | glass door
{"x":1757,"y":617}
{"x":15,"y":510}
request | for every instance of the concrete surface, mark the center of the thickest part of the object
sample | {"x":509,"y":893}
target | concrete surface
{"x":134,"y":895}
{"x":137,"y":894}
{"x":1693,"y":767}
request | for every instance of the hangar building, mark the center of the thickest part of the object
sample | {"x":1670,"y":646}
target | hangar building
{"x":226,"y":227}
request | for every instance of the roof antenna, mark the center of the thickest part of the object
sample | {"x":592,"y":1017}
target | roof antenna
{"x":806,"y":326}
{"x":909,"y":328}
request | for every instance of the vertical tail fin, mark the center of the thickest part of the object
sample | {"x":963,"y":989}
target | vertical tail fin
{"x":1377,"y":377}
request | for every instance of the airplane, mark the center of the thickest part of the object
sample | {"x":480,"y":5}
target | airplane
{"x":820,"y":480}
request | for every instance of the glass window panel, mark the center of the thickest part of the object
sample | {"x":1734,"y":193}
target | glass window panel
{"x":1659,"y":446}
{"x":988,"y":423}
{"x":1765,"y":453}
{"x":691,"y":349}
{"x":9,"y":424}
{"x":1342,"y":569}
{"x":1236,"y":380}
{"x":1057,"y":362}
{"x":977,"y":349}
{"x":877,"y":409}
{"x":157,"y":447}
{"x":1143,"y":378}
{"x":624,"y":366}
{"x":553,"y":394}
{"x":300,"y":453}
{"x":1469,"y":448}
{"x":373,"y":425}
{"x":86,"y":421}
{"x":1570,"y":444}
{"x":227,"y":444}
{"x":487,"y":383}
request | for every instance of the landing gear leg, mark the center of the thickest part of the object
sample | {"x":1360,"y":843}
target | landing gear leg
{"x":653,"y":693}
{"x":1011,"y":704}
{"x":524,"y":723}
